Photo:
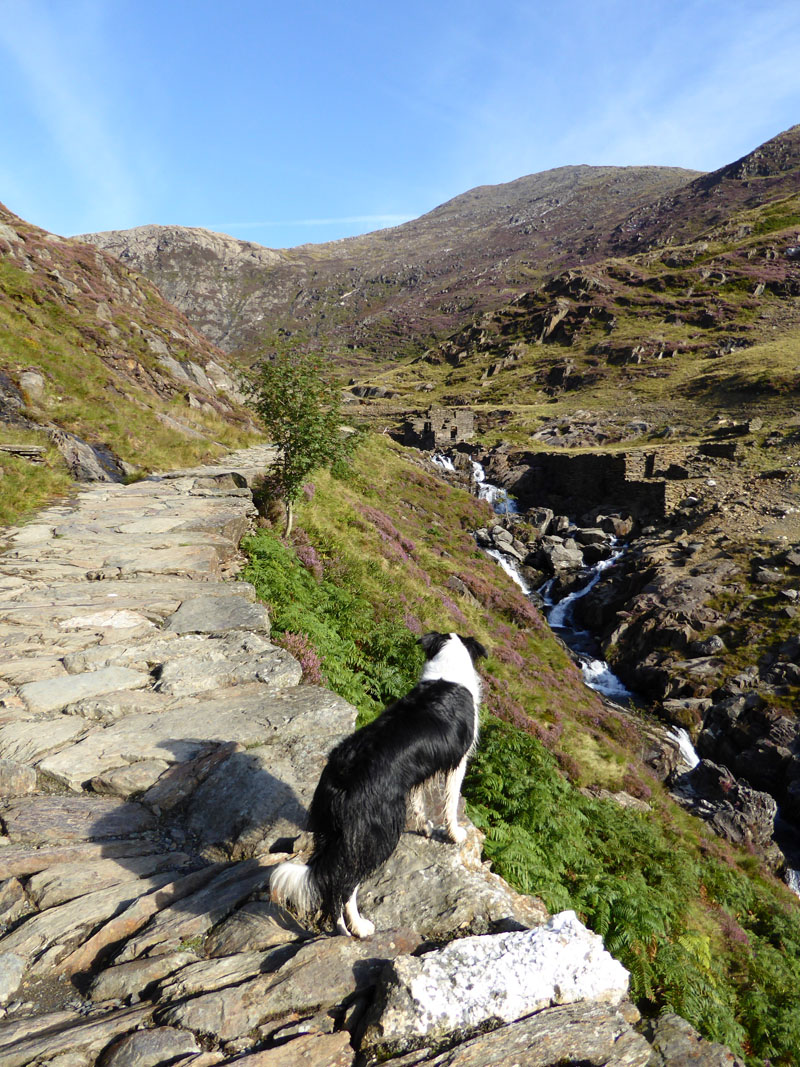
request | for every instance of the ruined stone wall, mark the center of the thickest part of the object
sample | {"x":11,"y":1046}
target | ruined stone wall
{"x":439,"y":428}
{"x":648,"y":484}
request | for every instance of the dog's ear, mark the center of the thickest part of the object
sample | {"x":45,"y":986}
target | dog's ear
{"x":475,"y":648}
{"x":433,"y":643}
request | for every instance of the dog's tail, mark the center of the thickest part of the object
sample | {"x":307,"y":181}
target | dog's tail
{"x":293,"y":884}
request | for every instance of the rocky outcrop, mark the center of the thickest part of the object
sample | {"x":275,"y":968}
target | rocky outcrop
{"x":156,"y":757}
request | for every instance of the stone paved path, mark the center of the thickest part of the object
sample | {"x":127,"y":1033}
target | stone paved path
{"x":157,"y":753}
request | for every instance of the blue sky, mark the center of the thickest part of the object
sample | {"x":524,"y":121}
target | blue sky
{"x":285,"y":123}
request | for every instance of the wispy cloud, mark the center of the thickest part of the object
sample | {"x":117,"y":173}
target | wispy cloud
{"x":63,"y":91}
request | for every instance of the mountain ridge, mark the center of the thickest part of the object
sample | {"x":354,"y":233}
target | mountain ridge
{"x":395,"y":290}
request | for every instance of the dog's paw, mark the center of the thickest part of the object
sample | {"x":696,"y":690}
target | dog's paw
{"x":424,"y":827}
{"x":363,"y":928}
{"x":457,"y":834}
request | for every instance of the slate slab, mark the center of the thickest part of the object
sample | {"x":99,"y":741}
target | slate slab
{"x":453,"y":891}
{"x":309,"y":1050}
{"x":28,"y":742}
{"x":218,"y":614}
{"x":61,"y":1033}
{"x":150,"y":1048}
{"x":42,"y":820}
{"x":54,"y":694}
{"x":323,"y":974}
{"x":575,"y":1034}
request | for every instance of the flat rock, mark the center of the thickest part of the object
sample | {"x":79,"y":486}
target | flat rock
{"x":475,"y":980}
{"x":69,"y":880}
{"x":587,"y":1034}
{"x":132,"y":979}
{"x":218,"y":614}
{"x":16,"y":779}
{"x":24,"y":861}
{"x":150,"y":1048}
{"x":453,"y":891}
{"x":83,"y":1039}
{"x":257,"y":926}
{"x":676,"y":1042}
{"x":51,"y":935}
{"x":233,"y":659}
{"x":309,"y":1050}
{"x":307,"y":721}
{"x":54,"y":694}
{"x":43,"y":820}
{"x":130,"y":780}
{"x":322,"y":974}
{"x":28,"y":742}
{"x":193,"y":916}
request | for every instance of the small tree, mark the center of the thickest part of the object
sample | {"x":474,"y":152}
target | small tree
{"x":300,"y":406}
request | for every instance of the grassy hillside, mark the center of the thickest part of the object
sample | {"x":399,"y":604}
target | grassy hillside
{"x":378,"y":558}
{"x":677,"y":335}
{"x":89,"y":348}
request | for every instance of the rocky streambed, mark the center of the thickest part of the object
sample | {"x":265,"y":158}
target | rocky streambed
{"x":662,"y":602}
{"x":156,"y":755}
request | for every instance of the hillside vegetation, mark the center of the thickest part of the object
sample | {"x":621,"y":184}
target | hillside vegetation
{"x":95,"y":367}
{"x":702,"y":929}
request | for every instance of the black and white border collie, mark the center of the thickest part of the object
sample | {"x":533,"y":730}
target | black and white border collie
{"x":358,"y":811}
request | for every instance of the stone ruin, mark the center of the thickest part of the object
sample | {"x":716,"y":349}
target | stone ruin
{"x":439,"y":428}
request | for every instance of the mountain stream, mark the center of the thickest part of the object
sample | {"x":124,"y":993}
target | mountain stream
{"x":560,"y":615}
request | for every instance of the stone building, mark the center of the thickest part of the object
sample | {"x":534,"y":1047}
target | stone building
{"x":439,"y":428}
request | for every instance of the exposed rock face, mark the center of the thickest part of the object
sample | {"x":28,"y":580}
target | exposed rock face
{"x":98,"y":322}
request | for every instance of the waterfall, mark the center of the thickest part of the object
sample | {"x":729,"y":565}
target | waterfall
{"x":792,"y":879}
{"x":497,"y":497}
{"x":444,"y":463}
{"x":510,"y":568}
{"x":685,"y":746}
{"x":596,"y":672}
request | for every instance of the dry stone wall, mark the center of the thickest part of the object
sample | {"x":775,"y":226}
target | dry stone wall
{"x":157,"y":754}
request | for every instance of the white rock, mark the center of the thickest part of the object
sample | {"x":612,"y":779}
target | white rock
{"x":503,"y":976}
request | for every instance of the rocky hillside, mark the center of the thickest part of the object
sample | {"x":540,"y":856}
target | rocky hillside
{"x":395,"y":290}
{"x":157,"y":751}
{"x":99,"y":376}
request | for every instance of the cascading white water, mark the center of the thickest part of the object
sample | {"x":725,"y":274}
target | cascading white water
{"x":561,"y":614}
{"x":685,"y":747}
{"x":510,"y":568}
{"x":792,"y":879}
{"x":497,"y":497}
{"x":443,"y":463}
{"x":596,"y":673}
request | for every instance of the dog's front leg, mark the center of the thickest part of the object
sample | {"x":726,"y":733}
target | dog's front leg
{"x":452,"y":792}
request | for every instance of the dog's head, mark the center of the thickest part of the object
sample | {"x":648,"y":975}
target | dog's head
{"x":434,"y":642}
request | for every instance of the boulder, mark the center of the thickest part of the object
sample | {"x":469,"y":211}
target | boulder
{"x":478,"y":980}
{"x":735,"y":811}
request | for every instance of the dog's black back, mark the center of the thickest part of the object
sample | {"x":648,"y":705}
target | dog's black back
{"x":359,"y":808}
